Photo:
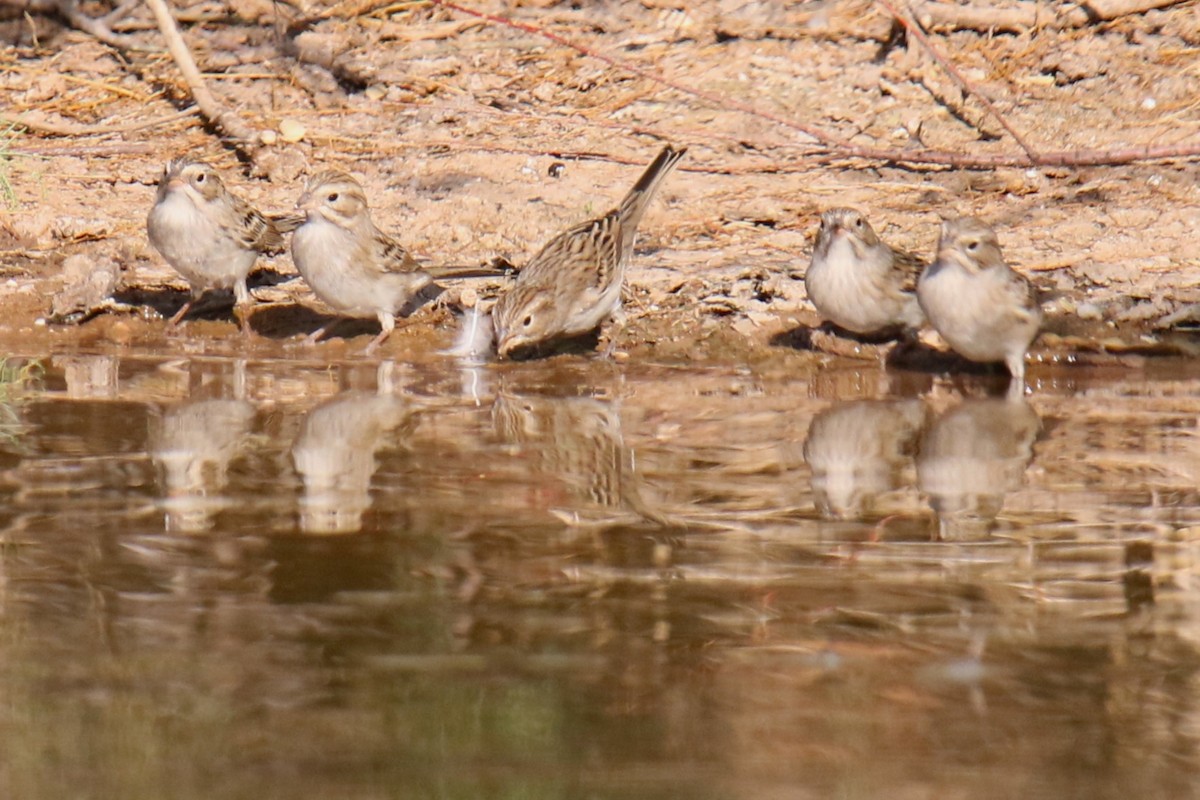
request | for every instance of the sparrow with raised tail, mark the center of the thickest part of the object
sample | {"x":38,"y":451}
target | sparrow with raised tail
{"x":351,"y":265}
{"x":208,"y":235}
{"x":574,"y":283}
{"x":857,"y":281}
{"x":984,"y":309}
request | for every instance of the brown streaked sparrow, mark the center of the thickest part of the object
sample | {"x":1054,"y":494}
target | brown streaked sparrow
{"x":574,"y":283}
{"x":858,"y":282}
{"x":984,"y":309}
{"x":208,"y":235}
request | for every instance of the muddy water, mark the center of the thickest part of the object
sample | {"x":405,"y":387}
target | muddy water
{"x":569,"y":579}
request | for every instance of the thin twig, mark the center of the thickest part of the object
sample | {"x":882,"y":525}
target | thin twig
{"x":61,"y":129}
{"x":1108,"y":10}
{"x":1026,"y":16}
{"x":225,"y":121}
{"x":69,"y":148}
{"x":915,"y":31}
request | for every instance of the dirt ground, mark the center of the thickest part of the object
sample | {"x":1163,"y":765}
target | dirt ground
{"x":476,"y":140}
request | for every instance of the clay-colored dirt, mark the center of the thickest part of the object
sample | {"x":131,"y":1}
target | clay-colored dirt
{"x":476,"y":141}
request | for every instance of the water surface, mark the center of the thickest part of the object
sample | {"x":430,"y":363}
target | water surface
{"x":225,"y":578}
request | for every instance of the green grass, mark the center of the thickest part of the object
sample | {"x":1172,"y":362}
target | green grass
{"x":17,"y":378}
{"x":7,"y":136}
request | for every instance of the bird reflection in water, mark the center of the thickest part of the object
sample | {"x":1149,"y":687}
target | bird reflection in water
{"x":575,"y":446}
{"x":194,"y":442}
{"x":860,"y":450}
{"x":971,"y":457}
{"x":334,"y":455}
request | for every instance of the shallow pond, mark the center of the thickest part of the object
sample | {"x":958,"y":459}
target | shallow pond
{"x":571,"y":579}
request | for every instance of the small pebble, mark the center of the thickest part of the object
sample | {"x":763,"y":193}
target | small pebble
{"x":291,"y":130}
{"x":375,"y":92}
{"x":268,"y":138}
{"x":1089,"y":311}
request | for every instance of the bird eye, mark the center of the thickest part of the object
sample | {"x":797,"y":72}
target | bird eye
{"x":858,"y":223}
{"x":333,"y":196}
{"x":200,"y":178}
{"x":528,"y":320}
{"x":972,"y":247}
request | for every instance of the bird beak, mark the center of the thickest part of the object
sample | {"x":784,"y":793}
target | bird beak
{"x":175,"y":183}
{"x":305,"y":203}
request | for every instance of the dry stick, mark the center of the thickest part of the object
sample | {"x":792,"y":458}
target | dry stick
{"x":53,"y":129}
{"x":1108,"y":10}
{"x":225,"y":121}
{"x":842,"y":149}
{"x":915,"y":30}
{"x":1018,"y":19}
{"x":932,"y":14}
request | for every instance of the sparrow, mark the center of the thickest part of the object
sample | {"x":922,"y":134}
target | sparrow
{"x":208,"y":235}
{"x":353,"y":266}
{"x":858,"y":282}
{"x":574,"y":283}
{"x":982,"y":308}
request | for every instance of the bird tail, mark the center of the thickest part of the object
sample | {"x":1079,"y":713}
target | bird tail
{"x":475,"y":339}
{"x":485,"y":271}
{"x":635,"y":203}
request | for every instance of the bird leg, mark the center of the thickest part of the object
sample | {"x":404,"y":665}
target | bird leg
{"x":242,"y":303}
{"x":386,"y":321}
{"x":616,"y":328}
{"x":316,"y":335}
{"x":1016,"y":367}
{"x":179,"y":315}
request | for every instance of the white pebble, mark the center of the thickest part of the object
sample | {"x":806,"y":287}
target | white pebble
{"x":291,"y":130}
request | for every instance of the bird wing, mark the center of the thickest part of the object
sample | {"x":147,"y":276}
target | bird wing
{"x":585,"y":256}
{"x":392,"y":257}
{"x":256,"y":232}
{"x":909,"y":267}
{"x":1024,"y":294}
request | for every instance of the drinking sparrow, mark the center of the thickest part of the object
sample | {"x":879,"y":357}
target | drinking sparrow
{"x":208,"y":235}
{"x":982,"y":308}
{"x":574,"y":283}
{"x":858,"y":282}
